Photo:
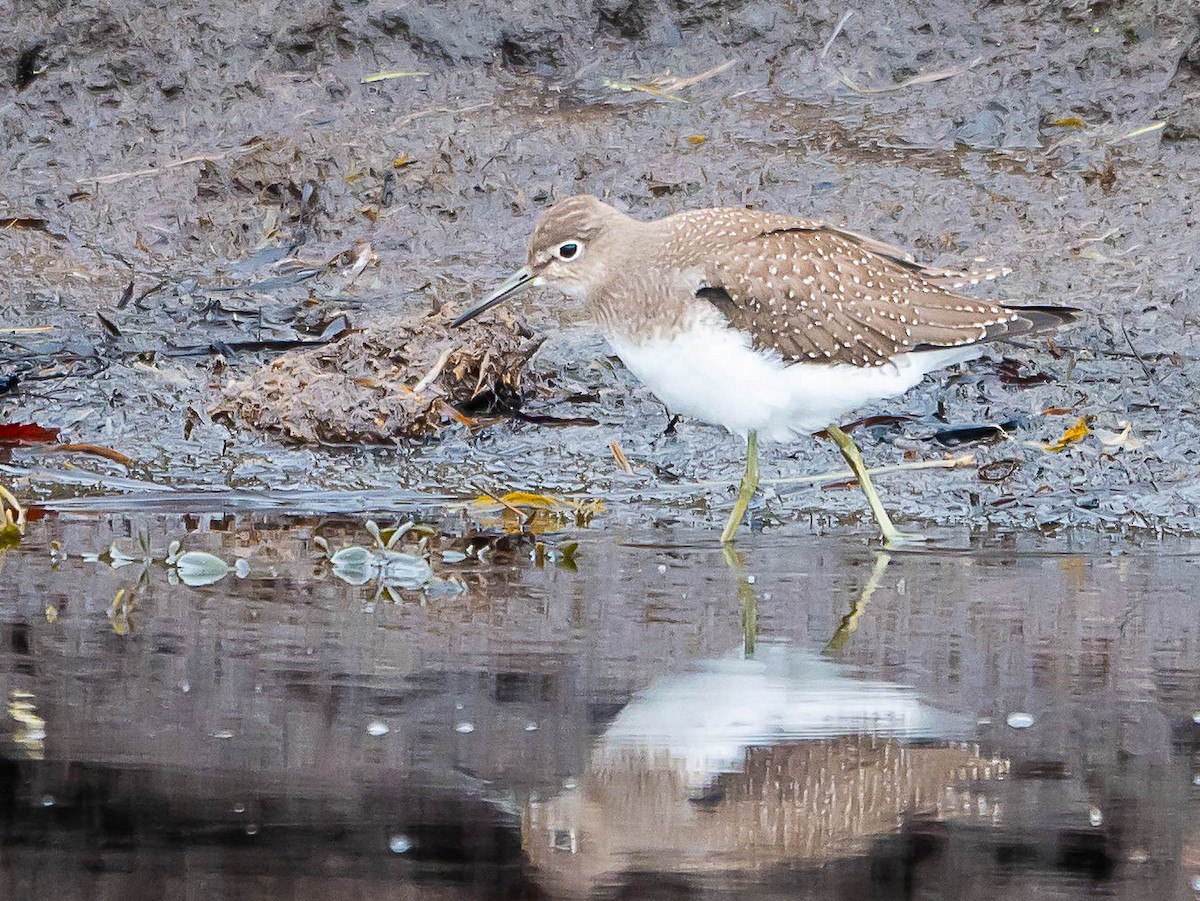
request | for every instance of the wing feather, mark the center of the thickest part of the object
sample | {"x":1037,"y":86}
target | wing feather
{"x":817,"y":294}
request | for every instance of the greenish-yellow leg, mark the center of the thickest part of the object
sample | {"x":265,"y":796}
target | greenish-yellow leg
{"x":749,"y":601}
{"x":849,"y":623}
{"x":892,"y":536}
{"x":746,"y":491}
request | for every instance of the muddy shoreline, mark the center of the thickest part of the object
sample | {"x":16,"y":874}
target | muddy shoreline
{"x":188,"y":152}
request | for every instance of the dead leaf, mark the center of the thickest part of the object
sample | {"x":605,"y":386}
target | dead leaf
{"x":1075,"y":433}
{"x":536,"y":501}
{"x":26,"y":433}
{"x":527,"y":511}
{"x":1113,"y":442}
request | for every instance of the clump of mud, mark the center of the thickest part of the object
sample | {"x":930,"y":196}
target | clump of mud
{"x":409,"y":378}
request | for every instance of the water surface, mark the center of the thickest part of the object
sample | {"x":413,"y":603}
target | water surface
{"x":810,"y":719}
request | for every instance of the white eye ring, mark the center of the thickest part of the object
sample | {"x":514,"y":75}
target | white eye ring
{"x":569,"y":250}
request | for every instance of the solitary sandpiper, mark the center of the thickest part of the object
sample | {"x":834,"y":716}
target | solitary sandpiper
{"x":768,"y":325}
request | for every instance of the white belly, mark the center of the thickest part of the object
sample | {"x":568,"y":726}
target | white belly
{"x":712,"y":373}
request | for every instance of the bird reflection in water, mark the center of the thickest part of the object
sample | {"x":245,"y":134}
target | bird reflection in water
{"x":774,"y":756}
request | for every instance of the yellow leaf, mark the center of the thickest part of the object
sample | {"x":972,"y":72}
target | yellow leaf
{"x":1077,"y":432}
{"x":585,"y":507}
{"x":1068,"y":122}
{"x":697,"y":140}
{"x":525,"y":499}
{"x":10,"y":535}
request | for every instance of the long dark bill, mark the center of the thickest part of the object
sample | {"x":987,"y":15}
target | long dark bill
{"x":514,"y":284}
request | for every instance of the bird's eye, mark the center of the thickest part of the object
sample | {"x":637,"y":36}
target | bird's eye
{"x":567,"y":251}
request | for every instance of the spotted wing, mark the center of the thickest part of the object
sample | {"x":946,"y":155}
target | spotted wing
{"x":815,"y":294}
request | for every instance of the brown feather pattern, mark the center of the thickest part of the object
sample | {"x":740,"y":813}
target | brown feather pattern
{"x":817,"y":294}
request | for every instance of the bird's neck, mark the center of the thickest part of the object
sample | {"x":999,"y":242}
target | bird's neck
{"x":644,"y":295}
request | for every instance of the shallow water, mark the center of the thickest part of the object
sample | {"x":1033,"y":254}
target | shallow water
{"x":813,"y":719}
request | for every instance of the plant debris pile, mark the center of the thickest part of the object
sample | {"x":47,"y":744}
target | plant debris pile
{"x":409,"y":378}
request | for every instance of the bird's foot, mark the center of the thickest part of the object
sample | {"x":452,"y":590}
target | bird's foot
{"x":896,"y":539}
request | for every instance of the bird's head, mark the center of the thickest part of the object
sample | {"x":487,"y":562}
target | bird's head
{"x":560,"y":252}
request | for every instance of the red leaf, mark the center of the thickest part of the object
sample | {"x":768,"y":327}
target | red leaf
{"x":25,"y":433}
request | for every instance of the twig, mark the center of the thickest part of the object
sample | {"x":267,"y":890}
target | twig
{"x":1138,"y":132}
{"x":420,"y":114}
{"x":457,"y":415}
{"x":522,"y":517}
{"x":77,"y":476}
{"x":98,"y":450}
{"x":644,"y":88}
{"x":1137,"y":356}
{"x":678,"y":84}
{"x":483,"y":368}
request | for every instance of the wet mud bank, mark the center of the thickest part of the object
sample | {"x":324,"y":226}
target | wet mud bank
{"x":187,"y":187}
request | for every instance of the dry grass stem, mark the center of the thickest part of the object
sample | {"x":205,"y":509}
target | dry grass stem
{"x":167,"y":167}
{"x":667,"y":86}
{"x":844,"y":474}
{"x":433,"y":373}
{"x":927,"y":78}
{"x":837,"y":29}
{"x":619,"y":455}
